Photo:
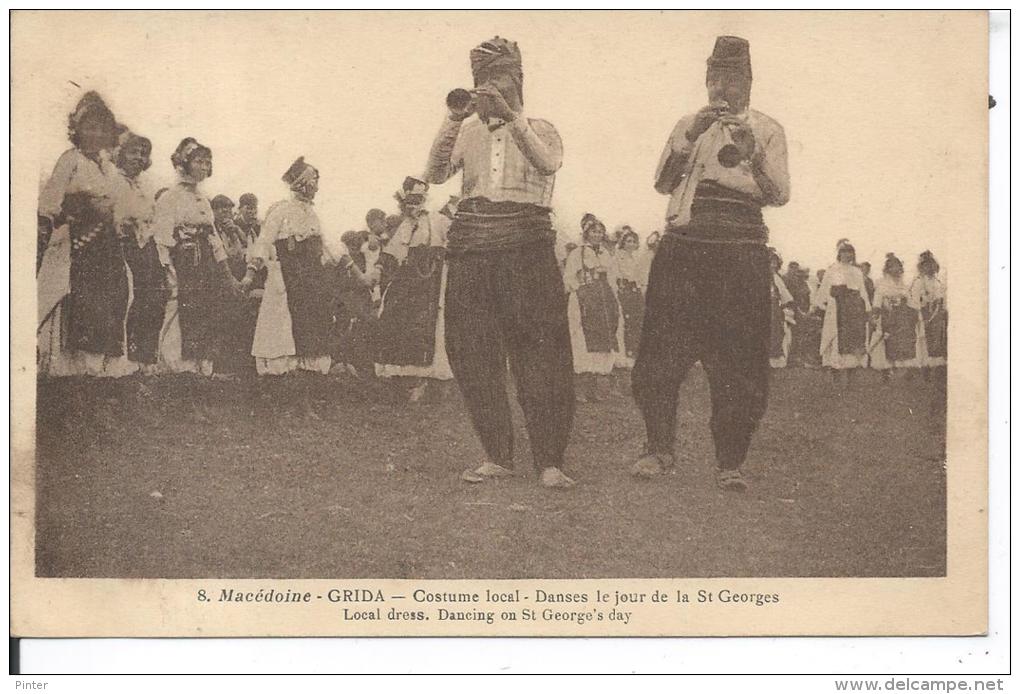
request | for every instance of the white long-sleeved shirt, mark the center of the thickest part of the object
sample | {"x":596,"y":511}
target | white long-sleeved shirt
{"x":133,"y":203}
{"x":183,"y":206}
{"x":633,"y":267}
{"x":841,"y":274}
{"x":925,"y":291}
{"x":699,"y":161}
{"x":427,"y":229}
{"x":516,"y":162}
{"x":287,"y":218}
{"x":888,"y":291}
{"x":584,"y":261}
{"x":76,"y":173}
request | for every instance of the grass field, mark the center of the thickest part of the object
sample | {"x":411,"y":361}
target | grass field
{"x":845,"y":481}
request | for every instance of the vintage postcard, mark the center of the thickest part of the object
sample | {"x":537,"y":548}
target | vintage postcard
{"x":499,"y":323}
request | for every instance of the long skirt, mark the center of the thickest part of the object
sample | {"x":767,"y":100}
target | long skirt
{"x":98,"y":299}
{"x":932,"y":337}
{"x":201,"y":299}
{"x":273,"y":343}
{"x":149,"y":295}
{"x":406,"y":333}
{"x":894,"y":343}
{"x":844,"y":337}
{"x":354,"y":318}
{"x":596,"y":331}
{"x":439,"y":364}
{"x":632,"y":307}
{"x":806,"y":343}
{"x":935,"y":331}
{"x":308,"y":294}
{"x":54,"y":358}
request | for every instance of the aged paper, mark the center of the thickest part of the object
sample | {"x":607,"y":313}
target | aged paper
{"x":169,"y":504}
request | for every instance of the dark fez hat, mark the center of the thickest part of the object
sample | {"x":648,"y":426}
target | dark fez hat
{"x":731,"y":53}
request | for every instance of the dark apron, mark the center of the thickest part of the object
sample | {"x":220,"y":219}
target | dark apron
{"x":354,"y":319}
{"x":406,"y":332}
{"x":851,"y":320}
{"x":936,"y":324}
{"x":308,"y":294}
{"x":600,"y":315}
{"x":200,"y":293}
{"x":97,"y":304}
{"x":899,"y":323}
{"x":148,"y":305}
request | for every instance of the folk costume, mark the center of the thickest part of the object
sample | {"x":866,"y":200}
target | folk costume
{"x":844,"y":298}
{"x":631,"y":283}
{"x":504,"y":295}
{"x":591,"y":275}
{"x":929,"y":295}
{"x":410,"y":335}
{"x":801,"y":352}
{"x":201,"y":291}
{"x":710,"y":284}
{"x":83,"y":276}
{"x":893,"y":344}
{"x":134,"y":210}
{"x":239,"y":326}
{"x":296,"y":314}
{"x":783,"y":320}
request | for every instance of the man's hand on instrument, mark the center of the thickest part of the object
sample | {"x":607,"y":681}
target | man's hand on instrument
{"x":499,"y":107}
{"x":741,"y":134}
{"x":702,"y":121}
{"x":462,"y":112}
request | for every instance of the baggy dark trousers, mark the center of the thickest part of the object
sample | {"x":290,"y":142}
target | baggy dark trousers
{"x":706,"y":302}
{"x":511,"y":303}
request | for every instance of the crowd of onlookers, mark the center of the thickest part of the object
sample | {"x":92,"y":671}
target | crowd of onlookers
{"x":132,"y":281}
{"x":839,"y":317}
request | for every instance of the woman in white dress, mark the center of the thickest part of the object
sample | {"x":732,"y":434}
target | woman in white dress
{"x":928,"y":294}
{"x":202,"y":288}
{"x":844,"y":299}
{"x":593,"y":311}
{"x":781,"y":335}
{"x":82,"y":275}
{"x":295,"y":322}
{"x":411,"y":333}
{"x":630,"y":286}
{"x":893,"y":344}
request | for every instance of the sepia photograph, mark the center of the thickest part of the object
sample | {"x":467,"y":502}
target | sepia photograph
{"x":500,"y":296}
